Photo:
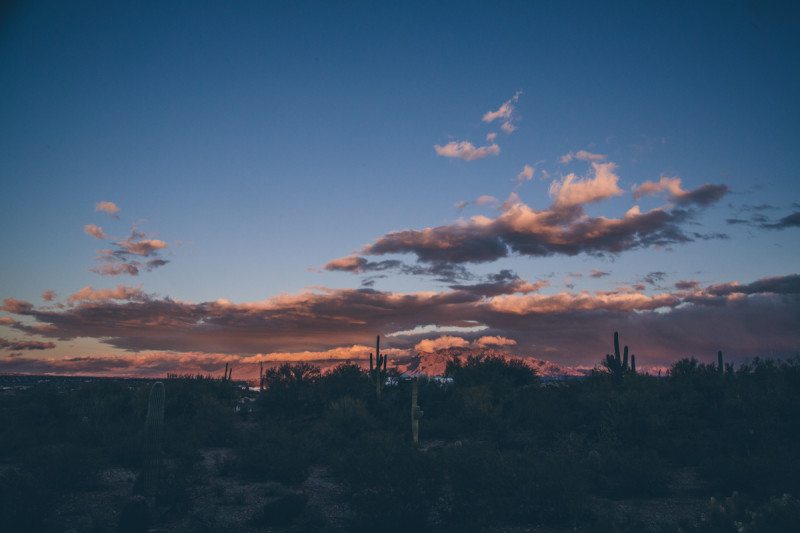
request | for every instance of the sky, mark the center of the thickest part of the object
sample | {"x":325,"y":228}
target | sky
{"x":190,"y":184}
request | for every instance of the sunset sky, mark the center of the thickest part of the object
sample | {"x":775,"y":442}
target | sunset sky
{"x":190,"y":184}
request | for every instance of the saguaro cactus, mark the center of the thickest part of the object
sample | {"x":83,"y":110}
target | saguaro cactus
{"x":720,"y":365}
{"x":633,"y":363}
{"x":378,"y":372}
{"x":617,"y":365}
{"x":416,"y":412}
{"x":153,"y":438}
{"x":261,"y":377}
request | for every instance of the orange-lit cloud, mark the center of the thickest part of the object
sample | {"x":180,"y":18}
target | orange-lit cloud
{"x":743,"y":318}
{"x":107,"y":207}
{"x":95,"y":231}
{"x":445,"y":341}
{"x":493,"y":340}
{"x":120,"y":292}
{"x":466,"y":150}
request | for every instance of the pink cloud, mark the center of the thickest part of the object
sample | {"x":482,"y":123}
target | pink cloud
{"x":120,"y":292}
{"x":445,"y":341}
{"x":109,"y":208}
{"x":49,"y":296}
{"x":492,"y":340}
{"x":95,"y":231}
{"x":572,"y":190}
{"x":466,"y":150}
{"x":526,"y":174}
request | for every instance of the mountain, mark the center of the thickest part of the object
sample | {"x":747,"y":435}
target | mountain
{"x":434,"y":363}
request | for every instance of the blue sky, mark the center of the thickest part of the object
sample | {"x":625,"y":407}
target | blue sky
{"x":262,"y":140}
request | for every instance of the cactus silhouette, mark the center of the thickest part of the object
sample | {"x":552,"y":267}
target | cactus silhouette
{"x":153,"y":437}
{"x":720,"y":365}
{"x":378,"y":373}
{"x":617,"y":366}
{"x":416,"y":412}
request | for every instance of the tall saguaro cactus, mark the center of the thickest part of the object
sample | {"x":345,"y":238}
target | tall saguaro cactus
{"x":378,"y":372}
{"x":720,"y":365}
{"x":261,"y":377}
{"x":616,"y":365}
{"x":416,"y":412}
{"x":153,"y":439}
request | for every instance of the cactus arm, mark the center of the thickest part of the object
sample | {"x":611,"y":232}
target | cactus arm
{"x":625,"y":359}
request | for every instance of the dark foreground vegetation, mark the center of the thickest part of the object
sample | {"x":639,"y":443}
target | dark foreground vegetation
{"x":700,"y":449}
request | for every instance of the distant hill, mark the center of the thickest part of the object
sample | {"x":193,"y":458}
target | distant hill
{"x":434,"y":363}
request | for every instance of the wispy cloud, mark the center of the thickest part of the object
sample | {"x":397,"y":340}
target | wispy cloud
{"x":466,"y":150}
{"x":504,"y":113}
{"x":581,"y":155}
{"x":123,"y":257}
{"x":702,"y":196}
{"x":16,"y":346}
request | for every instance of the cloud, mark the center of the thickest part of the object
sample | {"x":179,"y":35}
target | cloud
{"x":490,"y":137}
{"x":789,"y":221}
{"x":762,"y":222}
{"x":562,"y":229}
{"x":572,"y":190}
{"x":702,"y":196}
{"x":687,"y":284}
{"x":504,"y":282}
{"x":744,"y":319}
{"x":491,"y":340}
{"x":356,"y":352}
{"x":440,"y":343}
{"x":505,"y":113}
{"x":486,"y":199}
{"x":12,"y":305}
{"x":442,"y":271}
{"x":526,"y":174}
{"x":15,"y":346}
{"x":116,"y":269}
{"x":120,"y":292}
{"x":7,"y":321}
{"x":109,"y":208}
{"x":595,"y":273}
{"x":123,"y":257}
{"x":581,"y":155}
{"x":95,"y":231}
{"x":466,"y":150}
{"x":654,"y":278}
{"x":49,"y":296}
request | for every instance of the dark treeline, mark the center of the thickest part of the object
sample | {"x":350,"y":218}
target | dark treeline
{"x":616,"y":451}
